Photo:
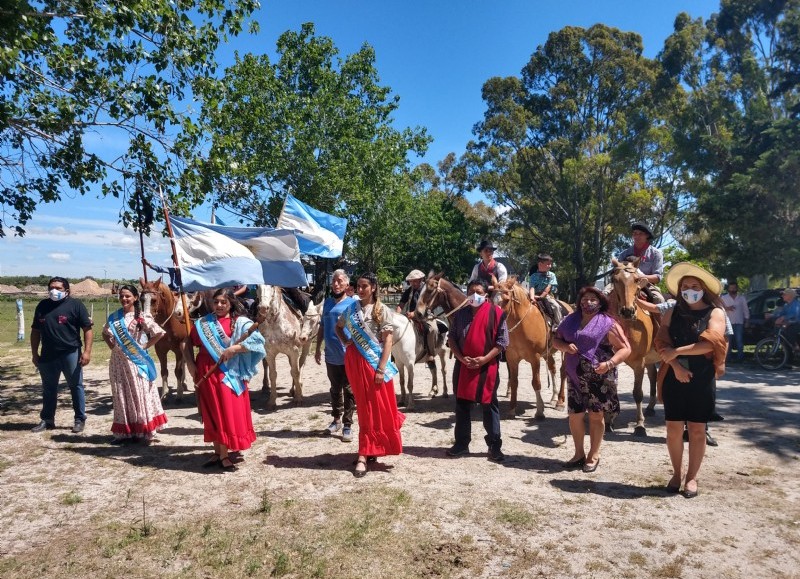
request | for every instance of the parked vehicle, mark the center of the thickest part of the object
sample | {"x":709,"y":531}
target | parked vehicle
{"x":775,"y":351}
{"x":760,"y":303}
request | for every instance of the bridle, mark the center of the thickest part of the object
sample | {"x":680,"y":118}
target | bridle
{"x":617,"y":271}
{"x":158,"y":298}
{"x":525,"y":315}
{"x":436,"y":290}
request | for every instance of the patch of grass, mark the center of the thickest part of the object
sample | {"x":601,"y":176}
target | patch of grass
{"x":637,"y":559}
{"x":672,"y":569}
{"x":762,"y":471}
{"x":515,"y":515}
{"x":71,"y":499}
{"x":265,"y":504}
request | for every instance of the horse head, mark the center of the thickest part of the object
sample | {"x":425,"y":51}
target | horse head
{"x":438,"y":292}
{"x":268,"y":298}
{"x":310,"y":323}
{"x":507,"y":292}
{"x":623,"y":279}
{"x":157,"y":299}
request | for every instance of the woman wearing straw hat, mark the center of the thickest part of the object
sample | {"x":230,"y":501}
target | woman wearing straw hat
{"x":692,"y":345}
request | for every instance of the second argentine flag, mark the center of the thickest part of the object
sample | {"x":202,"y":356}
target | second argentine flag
{"x":318,"y":233}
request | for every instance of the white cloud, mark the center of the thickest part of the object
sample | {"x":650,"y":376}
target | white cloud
{"x":60,"y":257}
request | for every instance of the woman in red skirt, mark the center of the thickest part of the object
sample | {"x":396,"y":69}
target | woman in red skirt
{"x":365,"y":328}
{"x":229,"y":355}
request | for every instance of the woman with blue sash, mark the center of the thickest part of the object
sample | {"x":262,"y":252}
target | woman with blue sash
{"x":371,"y":372}
{"x":229,"y":354}
{"x":138,"y":413}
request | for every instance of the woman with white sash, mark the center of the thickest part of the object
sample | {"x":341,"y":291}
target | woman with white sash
{"x":138,"y":413}
{"x":371,"y":372}
{"x":228,"y":357}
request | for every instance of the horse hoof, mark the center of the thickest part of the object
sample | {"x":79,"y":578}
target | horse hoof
{"x":649,"y":411}
{"x":539,"y":417}
{"x":560,"y":406}
{"x":640,"y":431}
{"x":609,"y":428}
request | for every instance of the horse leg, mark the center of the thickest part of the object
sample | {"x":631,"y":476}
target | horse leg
{"x":551,"y":374}
{"x":297,"y":384}
{"x":161,"y":352}
{"x":444,"y":373}
{"x":536,"y":382}
{"x":401,"y":369}
{"x":265,"y":378}
{"x":562,"y":376}
{"x":180,"y":374}
{"x":638,"y":396}
{"x":434,"y":381}
{"x":513,"y":377}
{"x":410,"y":387}
{"x":651,"y":376}
{"x":273,"y":382}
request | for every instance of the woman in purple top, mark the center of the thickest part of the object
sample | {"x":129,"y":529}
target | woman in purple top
{"x":594,"y":345}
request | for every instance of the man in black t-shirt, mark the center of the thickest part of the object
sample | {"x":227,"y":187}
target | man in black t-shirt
{"x":57,"y":324}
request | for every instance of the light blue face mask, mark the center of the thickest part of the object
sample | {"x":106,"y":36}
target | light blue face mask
{"x":57,"y":295}
{"x":476,"y":300}
{"x":692,"y":296}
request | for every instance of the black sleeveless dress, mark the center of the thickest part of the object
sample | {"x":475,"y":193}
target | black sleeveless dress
{"x":694,"y":400}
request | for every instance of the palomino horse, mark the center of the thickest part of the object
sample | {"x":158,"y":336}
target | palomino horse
{"x":160,"y":302}
{"x":288,"y":332}
{"x":408,"y":348}
{"x":528,"y":340}
{"x":640,"y":328}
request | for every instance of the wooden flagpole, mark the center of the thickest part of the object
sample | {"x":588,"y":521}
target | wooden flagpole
{"x":141,"y":234}
{"x":175,"y":261}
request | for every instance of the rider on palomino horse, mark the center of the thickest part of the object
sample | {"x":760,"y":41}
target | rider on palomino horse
{"x":649,"y":261}
{"x":543,"y":289}
{"x":407,"y":306}
{"x":489,"y":269}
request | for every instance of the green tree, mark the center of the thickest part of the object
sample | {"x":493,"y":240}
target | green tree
{"x":738,"y":134}
{"x":121,"y":69}
{"x":570,"y":149}
{"x":313,"y":125}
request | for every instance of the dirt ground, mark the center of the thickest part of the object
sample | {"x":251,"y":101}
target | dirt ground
{"x":63,"y":495}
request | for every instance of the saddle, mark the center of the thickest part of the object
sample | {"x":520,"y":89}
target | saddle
{"x":296,"y":299}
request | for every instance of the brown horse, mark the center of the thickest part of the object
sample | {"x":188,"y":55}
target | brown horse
{"x":640,"y":328}
{"x":528,"y":340}
{"x":160,"y":302}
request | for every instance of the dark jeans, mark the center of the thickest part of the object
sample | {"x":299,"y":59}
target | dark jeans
{"x":791,"y":332}
{"x":491,"y":422}
{"x":69,"y":365}
{"x":737,"y":341}
{"x":342,"y":400}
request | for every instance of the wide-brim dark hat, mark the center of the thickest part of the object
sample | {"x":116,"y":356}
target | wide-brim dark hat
{"x":644,"y":228}
{"x":486,"y":244}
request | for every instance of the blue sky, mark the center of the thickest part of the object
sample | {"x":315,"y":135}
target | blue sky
{"x":435,"y":55}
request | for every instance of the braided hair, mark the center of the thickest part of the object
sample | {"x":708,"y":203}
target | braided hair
{"x":377,"y":310}
{"x":137,"y":305}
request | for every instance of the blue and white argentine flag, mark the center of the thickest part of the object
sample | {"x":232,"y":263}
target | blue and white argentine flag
{"x":318,"y":233}
{"x":212,"y":256}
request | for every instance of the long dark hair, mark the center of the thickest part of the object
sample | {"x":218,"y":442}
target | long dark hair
{"x":236,"y":306}
{"x":593,"y":290}
{"x":137,"y":305}
{"x":377,"y":310}
{"x":709,"y":297}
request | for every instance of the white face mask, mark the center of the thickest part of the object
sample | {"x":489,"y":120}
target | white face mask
{"x":57,"y":295}
{"x":692,"y":296}
{"x":476,"y":300}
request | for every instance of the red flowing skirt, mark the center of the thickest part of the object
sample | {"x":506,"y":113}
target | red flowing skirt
{"x":226,"y":417}
{"x":379,"y":420}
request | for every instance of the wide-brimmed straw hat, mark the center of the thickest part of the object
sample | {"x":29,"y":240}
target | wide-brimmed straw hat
{"x":415,"y":274}
{"x":684,"y":268}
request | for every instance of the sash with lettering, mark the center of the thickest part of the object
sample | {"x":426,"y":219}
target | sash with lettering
{"x":365,"y":341}
{"x":135,"y":353}
{"x":478,"y":384}
{"x":215,"y":341}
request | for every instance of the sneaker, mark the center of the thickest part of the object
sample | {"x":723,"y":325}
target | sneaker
{"x":347,"y":434}
{"x":496,"y":455}
{"x":42,"y":426}
{"x":78,"y":426}
{"x":456,"y":450}
{"x":334,"y":427}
